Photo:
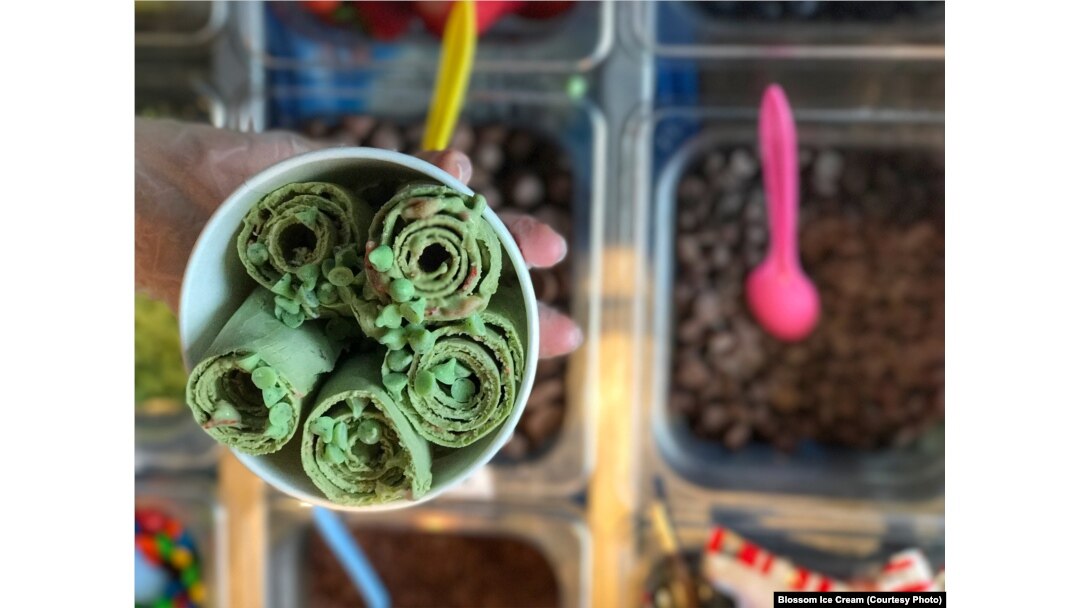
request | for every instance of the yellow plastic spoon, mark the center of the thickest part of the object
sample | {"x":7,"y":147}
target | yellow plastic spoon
{"x":455,"y":65}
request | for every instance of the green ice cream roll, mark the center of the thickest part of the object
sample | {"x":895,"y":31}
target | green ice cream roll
{"x":431,"y":242}
{"x":357,"y":445}
{"x":289,"y":243}
{"x":464,"y":383}
{"x":249,"y":389}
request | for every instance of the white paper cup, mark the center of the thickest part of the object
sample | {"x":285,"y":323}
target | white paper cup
{"x":215,"y":284}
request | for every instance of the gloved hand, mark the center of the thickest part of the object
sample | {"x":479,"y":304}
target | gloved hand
{"x":184,"y":171}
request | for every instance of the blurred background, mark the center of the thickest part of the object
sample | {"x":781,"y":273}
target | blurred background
{"x":631,"y":128}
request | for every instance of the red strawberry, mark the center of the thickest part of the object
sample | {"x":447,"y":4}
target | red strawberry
{"x":384,"y":20}
{"x":488,"y":13}
{"x":434,"y":14}
{"x":322,"y":8}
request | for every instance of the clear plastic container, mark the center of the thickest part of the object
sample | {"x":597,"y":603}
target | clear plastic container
{"x":563,"y":468}
{"x":559,"y":534}
{"x":690,"y":30}
{"x":811,"y":83}
{"x":192,"y":499}
{"x":183,"y":92}
{"x":701,"y":471}
{"x":166,"y":435}
{"x":178,"y":24}
{"x":836,"y":542}
{"x":285,"y":36}
{"x":168,"y":439}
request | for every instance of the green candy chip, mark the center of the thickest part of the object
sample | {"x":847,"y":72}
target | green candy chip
{"x":283,"y":287}
{"x":280,"y":415}
{"x":287,"y":305}
{"x":381,"y":258}
{"x":341,"y":436}
{"x":323,"y":426}
{"x":389,"y":318}
{"x":370,"y":431}
{"x":273,"y":394}
{"x":402,"y":290}
{"x":264,"y":377}
{"x":308,"y":272}
{"x":444,"y":372}
{"x":398,"y":360}
{"x":308,"y":217}
{"x":462,"y":390}
{"x":394,"y":339}
{"x":292,"y":321}
{"x":340,"y":276}
{"x":475,"y":326}
{"x":395,"y":382}
{"x":257,"y":253}
{"x":420,"y":339}
{"x":225,"y":412}
{"x":327,"y":294}
{"x":249,"y":362}
{"x":460,"y":370}
{"x":276,"y":432}
{"x":356,"y":405}
{"x":333,"y":454}
{"x":424,"y":384}
{"x":308,"y":297}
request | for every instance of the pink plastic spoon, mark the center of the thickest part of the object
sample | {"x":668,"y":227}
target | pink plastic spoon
{"x":779,"y":294}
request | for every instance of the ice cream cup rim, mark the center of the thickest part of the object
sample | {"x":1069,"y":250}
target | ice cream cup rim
{"x":246,"y":195}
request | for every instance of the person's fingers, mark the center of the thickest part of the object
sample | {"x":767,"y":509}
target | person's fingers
{"x":540,"y":245}
{"x":183,"y":172}
{"x":454,"y":162}
{"x":559,"y":334}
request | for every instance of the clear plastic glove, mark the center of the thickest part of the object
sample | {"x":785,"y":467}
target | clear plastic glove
{"x":184,"y":171}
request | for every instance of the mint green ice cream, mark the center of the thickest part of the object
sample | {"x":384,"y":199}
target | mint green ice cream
{"x":248,"y":390}
{"x":296,"y":242}
{"x":358,"y":447}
